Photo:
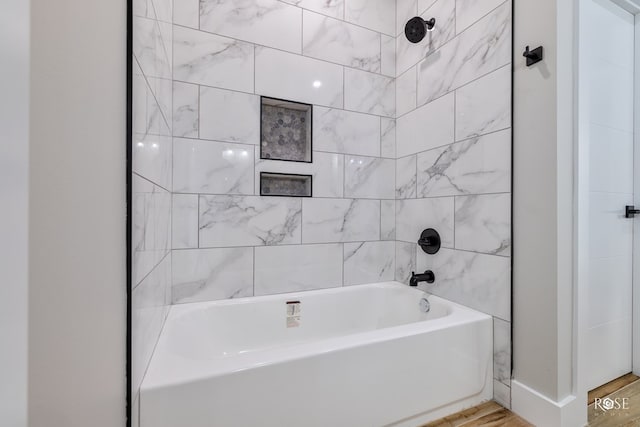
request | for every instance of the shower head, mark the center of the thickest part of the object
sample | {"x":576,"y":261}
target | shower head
{"x":417,"y":28}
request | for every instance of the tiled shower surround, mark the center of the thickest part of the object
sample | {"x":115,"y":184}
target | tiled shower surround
{"x":453,"y":168}
{"x":151,"y":179}
{"x":405,"y":137}
{"x":229,"y":241}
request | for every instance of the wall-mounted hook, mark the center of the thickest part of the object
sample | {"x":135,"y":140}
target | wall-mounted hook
{"x":533,"y":56}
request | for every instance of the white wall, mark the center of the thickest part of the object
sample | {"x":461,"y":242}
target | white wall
{"x":14,"y":170}
{"x":543,"y":308}
{"x":77,"y":292}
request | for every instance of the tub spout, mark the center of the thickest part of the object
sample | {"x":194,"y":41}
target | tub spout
{"x":427,"y":276}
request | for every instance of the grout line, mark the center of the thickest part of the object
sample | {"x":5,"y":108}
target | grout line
{"x":153,"y":269}
{"x":286,"y":51}
{"x":151,"y":182}
{"x":153,"y":94}
{"x":455,"y":34}
{"x":256,"y":93}
{"x":454,"y":89}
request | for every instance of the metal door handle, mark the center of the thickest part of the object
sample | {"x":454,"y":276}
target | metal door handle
{"x":630,"y":211}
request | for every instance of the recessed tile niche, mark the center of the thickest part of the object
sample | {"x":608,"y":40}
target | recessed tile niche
{"x":285,"y":130}
{"x":284,"y":184}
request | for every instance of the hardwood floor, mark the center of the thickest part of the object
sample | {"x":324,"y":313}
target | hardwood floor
{"x":612,"y":386}
{"x":625,"y":387}
{"x":488,"y":414}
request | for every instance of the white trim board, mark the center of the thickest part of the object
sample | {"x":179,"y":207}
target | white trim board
{"x":542,"y":411}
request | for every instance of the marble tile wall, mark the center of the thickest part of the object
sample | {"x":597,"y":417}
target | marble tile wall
{"x":405,"y":137}
{"x":453,"y":158}
{"x":339,"y":56}
{"x":151,"y":180}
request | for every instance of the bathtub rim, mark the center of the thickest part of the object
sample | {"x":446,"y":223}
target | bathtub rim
{"x":158,"y":378}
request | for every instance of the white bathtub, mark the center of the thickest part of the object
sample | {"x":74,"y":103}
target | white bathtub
{"x":361,"y":356}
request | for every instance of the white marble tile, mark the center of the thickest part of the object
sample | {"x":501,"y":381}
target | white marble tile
{"x":229,"y":116}
{"x":502,"y":351}
{"x":369,"y":93}
{"x":296,"y":78}
{"x":266,"y":22}
{"x":475,"y":166}
{"x":186,"y":13}
{"x":415,"y":215}
{"x":502,"y":394}
{"x":212,"y":167}
{"x":409,"y":54}
{"x":378,"y":15}
{"x":186,"y":110}
{"x":369,"y":177}
{"x":143,"y":8}
{"x":406,"y":177}
{"x":388,"y":56}
{"x":184,"y":215}
{"x":429,"y":126}
{"x":249,"y":221}
{"x":484,"y":105}
{"x":470,"y":11}
{"x":423,"y":5}
{"x":387,"y":220}
{"x":340,"y":220}
{"x":405,"y":261}
{"x":334,"y":8}
{"x":151,"y":233}
{"x":212,"y":60}
{"x":327,"y":171}
{"x":369,"y":262}
{"x":148,"y":117}
{"x":212,"y":274}
{"x":281,"y":269}
{"x":479,"y":281}
{"x":135,"y":412}
{"x":164,"y":10}
{"x":387,"y":138}
{"x":163,"y":93}
{"x":484,"y":47}
{"x":406,"y":90}
{"x":149,"y":48}
{"x":483,"y":223}
{"x":405,"y":10}
{"x":150,"y":306}
{"x":152,"y":158}
{"x":339,"y":131}
{"x":337,"y":41}
{"x":166,"y":36}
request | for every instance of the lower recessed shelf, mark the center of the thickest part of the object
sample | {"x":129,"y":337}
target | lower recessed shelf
{"x":285,"y":184}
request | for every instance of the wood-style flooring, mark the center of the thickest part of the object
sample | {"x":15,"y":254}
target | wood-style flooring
{"x":488,"y":414}
{"x":627,"y":386}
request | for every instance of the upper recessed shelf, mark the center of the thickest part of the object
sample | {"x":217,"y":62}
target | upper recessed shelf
{"x":285,"y":131}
